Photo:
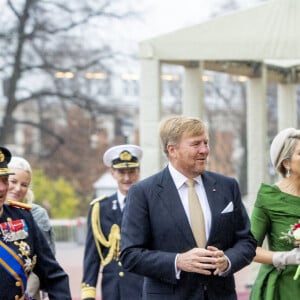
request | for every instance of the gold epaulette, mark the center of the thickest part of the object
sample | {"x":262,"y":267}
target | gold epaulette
{"x":98,"y":199}
{"x":19,"y":204}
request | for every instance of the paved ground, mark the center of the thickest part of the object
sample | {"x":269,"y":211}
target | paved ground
{"x":70,"y":256}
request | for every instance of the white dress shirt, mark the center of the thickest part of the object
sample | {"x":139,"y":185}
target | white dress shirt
{"x":121,"y":199}
{"x":182,"y":188}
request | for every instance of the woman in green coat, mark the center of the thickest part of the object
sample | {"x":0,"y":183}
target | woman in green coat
{"x":276,"y":210}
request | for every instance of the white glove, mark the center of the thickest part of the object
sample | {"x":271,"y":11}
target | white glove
{"x":282,"y":259}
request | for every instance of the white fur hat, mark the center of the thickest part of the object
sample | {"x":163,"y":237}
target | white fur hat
{"x":278,"y":143}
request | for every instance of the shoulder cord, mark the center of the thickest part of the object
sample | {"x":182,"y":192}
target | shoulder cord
{"x":113,"y":242}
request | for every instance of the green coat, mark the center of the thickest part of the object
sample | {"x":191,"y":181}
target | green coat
{"x":274,"y":212}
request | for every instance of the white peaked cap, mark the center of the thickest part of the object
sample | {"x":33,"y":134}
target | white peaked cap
{"x":123,"y":156}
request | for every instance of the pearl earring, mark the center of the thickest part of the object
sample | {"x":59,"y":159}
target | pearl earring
{"x":288,"y":173}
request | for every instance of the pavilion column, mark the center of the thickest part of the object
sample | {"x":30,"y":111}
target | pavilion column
{"x":193,"y":91}
{"x":256,"y":135}
{"x":150,"y":116}
{"x":287,"y":106}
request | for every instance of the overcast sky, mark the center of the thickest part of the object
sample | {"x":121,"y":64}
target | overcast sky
{"x":168,"y":15}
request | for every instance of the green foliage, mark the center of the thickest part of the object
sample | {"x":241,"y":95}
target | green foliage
{"x":59,"y":194}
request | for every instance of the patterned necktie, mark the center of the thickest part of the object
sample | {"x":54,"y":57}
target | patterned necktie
{"x":196,"y":214}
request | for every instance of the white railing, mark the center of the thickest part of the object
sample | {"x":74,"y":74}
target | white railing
{"x":69,"y":230}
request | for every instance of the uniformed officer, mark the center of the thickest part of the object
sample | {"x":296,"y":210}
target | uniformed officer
{"x":23,"y":248}
{"x":103,"y":237}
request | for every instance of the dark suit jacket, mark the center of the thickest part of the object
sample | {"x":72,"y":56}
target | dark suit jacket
{"x":156,"y":228}
{"x":117,"y":284}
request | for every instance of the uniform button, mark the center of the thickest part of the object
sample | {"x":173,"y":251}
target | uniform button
{"x":18,"y":283}
{"x":121,"y":274}
{"x":119,"y":264}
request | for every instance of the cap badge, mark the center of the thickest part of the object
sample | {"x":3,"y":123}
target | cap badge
{"x":125,"y":155}
{"x":2,"y":156}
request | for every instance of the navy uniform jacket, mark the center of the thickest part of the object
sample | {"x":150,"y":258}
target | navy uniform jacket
{"x":155,"y":229}
{"x":117,"y":284}
{"x":14,"y":223}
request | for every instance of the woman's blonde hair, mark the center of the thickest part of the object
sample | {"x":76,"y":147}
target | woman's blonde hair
{"x":29,"y":197}
{"x":287,"y":152}
{"x":21,"y":163}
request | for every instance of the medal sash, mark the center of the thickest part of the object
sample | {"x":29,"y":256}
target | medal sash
{"x":13,"y":265}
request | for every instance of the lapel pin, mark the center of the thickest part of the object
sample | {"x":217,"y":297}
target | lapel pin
{"x":114,"y":204}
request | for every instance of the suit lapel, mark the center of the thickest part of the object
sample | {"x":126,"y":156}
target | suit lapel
{"x":169,"y":196}
{"x":215,"y":203}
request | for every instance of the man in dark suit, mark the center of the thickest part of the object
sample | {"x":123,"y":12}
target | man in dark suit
{"x":103,"y":235}
{"x":159,"y":238}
